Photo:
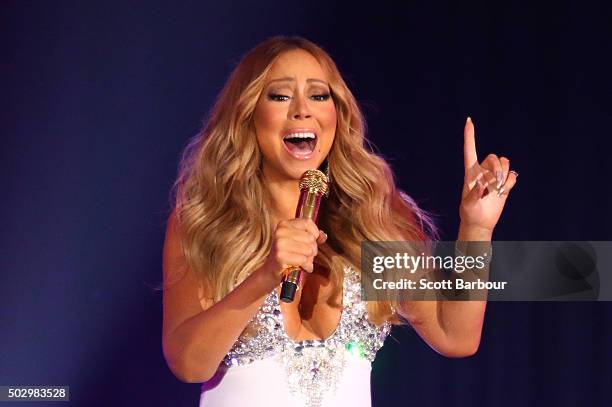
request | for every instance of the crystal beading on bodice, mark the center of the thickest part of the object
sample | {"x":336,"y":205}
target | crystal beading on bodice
{"x":313,"y":367}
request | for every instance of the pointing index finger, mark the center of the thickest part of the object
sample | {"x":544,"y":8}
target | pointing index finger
{"x":470,"y":158}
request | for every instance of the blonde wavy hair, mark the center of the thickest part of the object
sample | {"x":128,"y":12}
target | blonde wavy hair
{"x":219,"y":193}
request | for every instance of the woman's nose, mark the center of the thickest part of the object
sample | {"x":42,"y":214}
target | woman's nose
{"x":299,"y":109}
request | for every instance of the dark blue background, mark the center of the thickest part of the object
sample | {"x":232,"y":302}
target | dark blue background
{"x":98,"y":100}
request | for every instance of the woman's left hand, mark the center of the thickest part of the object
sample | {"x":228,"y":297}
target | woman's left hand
{"x":485,"y":187}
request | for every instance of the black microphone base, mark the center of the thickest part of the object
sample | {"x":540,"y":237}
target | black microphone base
{"x":288,"y":290}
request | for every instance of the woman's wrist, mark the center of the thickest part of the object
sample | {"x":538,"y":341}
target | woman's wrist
{"x":266,"y":278}
{"x":474,"y":233}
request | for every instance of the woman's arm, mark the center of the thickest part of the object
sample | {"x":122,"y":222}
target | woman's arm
{"x":195,"y":340}
{"x":196,"y":337}
{"x":451,"y":328}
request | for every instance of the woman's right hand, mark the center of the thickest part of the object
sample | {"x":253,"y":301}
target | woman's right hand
{"x":294,"y":243}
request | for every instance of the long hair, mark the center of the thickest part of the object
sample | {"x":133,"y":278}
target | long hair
{"x":225,"y":229}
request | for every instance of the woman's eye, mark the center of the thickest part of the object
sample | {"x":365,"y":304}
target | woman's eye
{"x":277,"y":97}
{"x":322,"y":97}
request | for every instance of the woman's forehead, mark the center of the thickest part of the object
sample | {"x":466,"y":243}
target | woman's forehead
{"x":297,"y":64}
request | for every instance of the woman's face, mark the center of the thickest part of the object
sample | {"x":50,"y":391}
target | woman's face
{"x":295,"y":117}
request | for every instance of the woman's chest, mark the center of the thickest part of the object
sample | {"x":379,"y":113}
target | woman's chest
{"x":345,"y":325}
{"x":315,"y":312}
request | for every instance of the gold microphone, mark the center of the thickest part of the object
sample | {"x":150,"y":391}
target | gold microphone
{"x":313,"y":186}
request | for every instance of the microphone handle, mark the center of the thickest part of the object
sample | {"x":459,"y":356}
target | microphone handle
{"x":307,"y":208}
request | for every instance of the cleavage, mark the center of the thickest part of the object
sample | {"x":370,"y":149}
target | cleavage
{"x":311,"y":317}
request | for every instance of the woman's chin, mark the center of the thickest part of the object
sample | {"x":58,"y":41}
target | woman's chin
{"x":294,"y":169}
{"x":297,"y":172}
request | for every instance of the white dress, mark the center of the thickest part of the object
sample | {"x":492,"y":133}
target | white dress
{"x":265,"y":367}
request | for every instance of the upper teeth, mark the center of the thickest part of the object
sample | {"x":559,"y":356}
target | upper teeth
{"x":300,"y":135}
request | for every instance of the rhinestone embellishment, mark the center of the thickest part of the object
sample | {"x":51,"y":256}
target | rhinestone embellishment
{"x":313,"y":367}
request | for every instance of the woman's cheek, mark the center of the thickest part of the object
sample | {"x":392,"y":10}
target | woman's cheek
{"x":331,"y":116}
{"x":271,"y":116}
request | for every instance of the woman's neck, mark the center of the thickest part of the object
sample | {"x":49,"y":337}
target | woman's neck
{"x":284,"y":196}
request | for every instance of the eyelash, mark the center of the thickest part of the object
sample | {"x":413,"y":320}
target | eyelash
{"x":277,"y":97}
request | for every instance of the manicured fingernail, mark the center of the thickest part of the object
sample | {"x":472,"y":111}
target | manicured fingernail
{"x":500,"y":178}
{"x":500,"y":192}
{"x":469,"y":119}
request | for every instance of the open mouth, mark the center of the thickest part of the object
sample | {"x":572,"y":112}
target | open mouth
{"x":300,"y":145}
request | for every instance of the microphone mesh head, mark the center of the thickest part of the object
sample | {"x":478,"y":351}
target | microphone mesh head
{"x":315,"y":181}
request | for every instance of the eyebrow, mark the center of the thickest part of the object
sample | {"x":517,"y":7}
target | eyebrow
{"x":289,"y":79}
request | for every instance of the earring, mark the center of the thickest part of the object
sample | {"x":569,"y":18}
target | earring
{"x":324,"y":168}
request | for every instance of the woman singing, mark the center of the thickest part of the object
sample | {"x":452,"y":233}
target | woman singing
{"x":232,"y":234}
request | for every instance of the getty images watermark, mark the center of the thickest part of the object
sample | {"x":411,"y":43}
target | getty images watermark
{"x":494,"y":271}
